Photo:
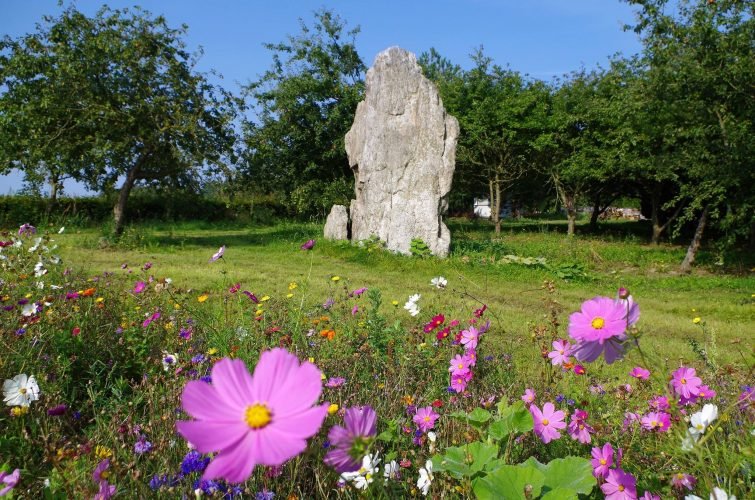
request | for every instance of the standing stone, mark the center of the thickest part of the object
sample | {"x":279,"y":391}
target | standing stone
{"x":337,"y":224}
{"x":402,"y":149}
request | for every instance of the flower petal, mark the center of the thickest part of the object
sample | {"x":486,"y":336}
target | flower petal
{"x":302,"y":425}
{"x":202,"y":401}
{"x":234,"y":464}
{"x":212,"y":436}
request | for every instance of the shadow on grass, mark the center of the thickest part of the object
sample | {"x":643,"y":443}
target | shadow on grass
{"x":251,"y":236}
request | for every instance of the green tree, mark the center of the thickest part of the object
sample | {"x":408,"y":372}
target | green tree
{"x":701,"y":64}
{"x":305,"y":104}
{"x":120,"y":100}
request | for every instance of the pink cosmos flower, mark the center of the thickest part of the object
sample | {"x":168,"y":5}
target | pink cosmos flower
{"x":656,"y":421}
{"x":471,"y":356}
{"x":686,"y":383}
{"x":681,"y":480}
{"x":470,"y":337}
{"x":348,"y":444}
{"x":459,"y":382}
{"x":659,"y":403}
{"x":602,"y":459}
{"x":640,"y":373}
{"x":218,"y":255}
{"x":650,"y":496}
{"x":139,"y":287}
{"x":619,"y":485}
{"x":308,"y":245}
{"x":9,"y":481}
{"x":630,"y":419}
{"x":529,"y":396}
{"x":263,"y":418}
{"x":459,"y":365}
{"x":598,"y":329}
{"x":560,"y":353}
{"x":547,"y":422}
{"x":334,"y":382}
{"x":578,"y":427}
{"x":706,"y":392}
{"x":579,"y":369}
{"x":425,"y":418}
{"x":631,"y":308}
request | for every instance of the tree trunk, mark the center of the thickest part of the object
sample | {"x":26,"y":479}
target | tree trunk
{"x":53,"y":200}
{"x":694,"y":246}
{"x":497,"y":205}
{"x":655,"y":218}
{"x":119,"y":211}
{"x":595,"y":213}
{"x":571,"y":213}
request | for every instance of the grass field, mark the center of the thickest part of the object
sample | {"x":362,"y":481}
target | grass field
{"x":267,"y":258}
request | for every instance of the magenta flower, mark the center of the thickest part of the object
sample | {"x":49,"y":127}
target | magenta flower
{"x":598,"y":329}
{"x":640,"y":373}
{"x":578,"y":428}
{"x":686,"y":383}
{"x":459,"y":365}
{"x":706,"y":392}
{"x":354,"y":310}
{"x":425,"y":418}
{"x":105,"y":492}
{"x":470,"y":337}
{"x":308,"y":245}
{"x":358,"y":292}
{"x":650,"y":496}
{"x":218,"y":255}
{"x":97,"y":474}
{"x":26,"y":230}
{"x":139,"y":287}
{"x":681,"y":481}
{"x":659,"y":403}
{"x":9,"y":481}
{"x":263,"y":418}
{"x":459,"y":382}
{"x":630,"y":419}
{"x":560,"y":353}
{"x":631,"y":308}
{"x":619,"y":485}
{"x":579,"y":369}
{"x":656,"y":421}
{"x":547,"y":422}
{"x":349,"y":444}
{"x":334,"y":382}
{"x":602,"y":459}
{"x":529,"y":396}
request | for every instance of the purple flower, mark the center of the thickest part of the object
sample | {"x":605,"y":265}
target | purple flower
{"x":264,"y":495}
{"x":602,"y":459}
{"x":142,"y":446}
{"x":218,"y":255}
{"x":425,"y":418}
{"x":640,"y":373}
{"x":659,"y":403}
{"x":358,"y":292}
{"x":105,"y":491}
{"x":681,"y":481}
{"x":529,"y":396}
{"x":194,"y":462}
{"x":27,"y":230}
{"x":57,"y":411}
{"x":686,"y":383}
{"x":470,"y":338}
{"x":139,"y":287}
{"x":328,"y":303}
{"x":619,"y":485}
{"x":334,"y":382}
{"x":658,"y":421}
{"x":350,"y":443}
{"x":309,"y":245}
{"x":251,"y":296}
{"x":147,"y":266}
{"x":9,"y":481}
{"x":560,"y":353}
{"x":101,"y":467}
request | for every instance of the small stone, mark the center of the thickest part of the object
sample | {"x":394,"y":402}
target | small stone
{"x":337,"y":223}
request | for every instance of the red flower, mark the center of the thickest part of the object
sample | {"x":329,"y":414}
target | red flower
{"x":76,"y":331}
{"x":437,"y":403}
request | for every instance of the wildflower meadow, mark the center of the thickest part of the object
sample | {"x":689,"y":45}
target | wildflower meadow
{"x":128,"y":382}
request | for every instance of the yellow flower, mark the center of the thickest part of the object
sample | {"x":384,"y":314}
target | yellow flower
{"x":99,"y":299}
{"x":212,"y":351}
{"x":258,"y":312}
{"x":102,"y":452}
{"x":335,"y":278}
{"x":322,"y":376}
{"x":332,"y":408}
{"x":202,"y":298}
{"x":407,"y":400}
{"x":696,"y":320}
{"x":289,"y":295}
{"x":17,"y":411}
{"x":169,"y":326}
{"x":28,"y":295}
{"x":394,"y":302}
{"x":292,"y":285}
{"x":311,"y":360}
{"x":381,"y":386}
{"x":176,"y":306}
{"x":138,"y":308}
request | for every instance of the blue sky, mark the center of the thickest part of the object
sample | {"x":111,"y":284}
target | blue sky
{"x":543,"y":38}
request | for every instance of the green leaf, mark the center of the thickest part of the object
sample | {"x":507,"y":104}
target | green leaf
{"x":513,"y":419}
{"x":509,"y":482}
{"x":482,"y":454}
{"x":573,"y":473}
{"x":453,"y":461}
{"x":560,"y":494}
{"x":476,"y":418}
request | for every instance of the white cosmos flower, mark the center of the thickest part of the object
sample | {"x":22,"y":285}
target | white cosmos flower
{"x":60,"y":231}
{"x":29,"y":309}
{"x":719,"y":494}
{"x":169,"y":360}
{"x":392,"y":471}
{"x":439,"y":282}
{"x":365,"y":475}
{"x":688,"y":443}
{"x":425,"y":477}
{"x":20,"y":390}
{"x":411,"y":304}
{"x":36,"y":245}
{"x":702,"y":419}
{"x":39,"y":269}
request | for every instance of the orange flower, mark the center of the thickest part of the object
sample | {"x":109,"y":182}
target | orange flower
{"x":329,"y":334}
{"x":407,"y":400}
{"x":88,"y":292}
{"x":324,"y":318}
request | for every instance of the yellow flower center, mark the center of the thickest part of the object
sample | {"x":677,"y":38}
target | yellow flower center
{"x":426,"y":419}
{"x":700,"y":427}
{"x":257,"y":416}
{"x":461,"y":366}
{"x":653,"y":423}
{"x":602,"y":461}
{"x":621,"y":487}
{"x":545,"y":421}
{"x":22,"y":390}
{"x":683,"y":381}
{"x":598,"y":323}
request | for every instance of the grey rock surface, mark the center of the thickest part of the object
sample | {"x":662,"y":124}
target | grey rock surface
{"x":337,"y":223}
{"x":402,"y":149}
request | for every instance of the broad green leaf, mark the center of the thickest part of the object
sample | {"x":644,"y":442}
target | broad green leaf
{"x":453,"y":461}
{"x":574,"y":473}
{"x":482,"y":454}
{"x":509,"y":482}
{"x":513,"y":419}
{"x":560,"y":494}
